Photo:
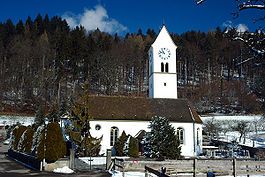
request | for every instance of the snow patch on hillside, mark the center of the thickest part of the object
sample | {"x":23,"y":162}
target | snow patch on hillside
{"x":10,"y":120}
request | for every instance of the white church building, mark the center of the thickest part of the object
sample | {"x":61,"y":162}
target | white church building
{"x":113,"y":115}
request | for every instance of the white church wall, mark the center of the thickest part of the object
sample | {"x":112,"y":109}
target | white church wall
{"x":130,"y":127}
{"x":198,"y":146}
{"x":165,"y":86}
{"x":133,"y":127}
{"x":187,"y":146}
{"x":190,"y":138}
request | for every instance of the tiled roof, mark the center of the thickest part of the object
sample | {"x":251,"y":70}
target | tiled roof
{"x":140,"y":108}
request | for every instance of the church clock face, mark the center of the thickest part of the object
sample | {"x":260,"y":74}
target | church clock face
{"x":164,"y":53}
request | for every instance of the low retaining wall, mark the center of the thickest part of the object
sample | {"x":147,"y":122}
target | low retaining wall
{"x":94,"y":160}
{"x":33,"y":163}
{"x":27,"y":160}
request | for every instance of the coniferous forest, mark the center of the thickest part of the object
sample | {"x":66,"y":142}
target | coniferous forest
{"x":45,"y":63}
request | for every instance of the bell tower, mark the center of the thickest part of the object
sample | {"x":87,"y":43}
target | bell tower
{"x":162,"y":67}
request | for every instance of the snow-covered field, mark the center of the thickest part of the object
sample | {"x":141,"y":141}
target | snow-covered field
{"x":253,"y":136}
{"x":228,"y":117}
{"x":250,"y":140}
{"x":10,"y":120}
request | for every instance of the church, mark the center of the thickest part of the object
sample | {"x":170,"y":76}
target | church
{"x":113,"y":115}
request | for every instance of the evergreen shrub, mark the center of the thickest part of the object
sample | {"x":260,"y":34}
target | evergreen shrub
{"x":119,"y":144}
{"x":133,"y":150}
{"x":53,"y":144}
{"x":26,"y":140}
{"x":17,"y":133}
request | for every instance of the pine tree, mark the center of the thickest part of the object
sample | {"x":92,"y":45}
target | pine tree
{"x":80,"y":134}
{"x":163,"y":141}
{"x":39,"y":117}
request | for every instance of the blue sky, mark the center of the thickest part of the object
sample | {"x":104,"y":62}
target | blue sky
{"x":124,"y":16}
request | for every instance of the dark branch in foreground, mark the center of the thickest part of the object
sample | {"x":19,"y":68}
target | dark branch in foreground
{"x":251,"y":6}
{"x":244,"y":4}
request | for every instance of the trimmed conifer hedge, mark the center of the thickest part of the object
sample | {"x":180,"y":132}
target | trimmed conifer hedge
{"x":133,"y":150}
{"x":25,"y":143}
{"x":55,"y":146}
{"x":119,"y":144}
{"x":17,"y":133}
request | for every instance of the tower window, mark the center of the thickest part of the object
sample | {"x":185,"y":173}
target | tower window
{"x":165,"y":84}
{"x":166,"y":67}
{"x":162,"y":67}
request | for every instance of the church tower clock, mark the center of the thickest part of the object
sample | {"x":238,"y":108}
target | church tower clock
{"x":162,"y":67}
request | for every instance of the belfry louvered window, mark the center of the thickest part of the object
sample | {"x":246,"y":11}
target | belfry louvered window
{"x":166,"y":67}
{"x":162,"y":67}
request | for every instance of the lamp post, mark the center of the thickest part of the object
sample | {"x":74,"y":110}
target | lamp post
{"x":46,"y":121}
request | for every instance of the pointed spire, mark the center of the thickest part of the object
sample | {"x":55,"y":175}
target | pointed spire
{"x":164,"y":23}
{"x":162,"y":36}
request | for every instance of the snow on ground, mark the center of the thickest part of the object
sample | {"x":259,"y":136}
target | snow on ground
{"x":64,"y":169}
{"x":250,"y":141}
{"x":227,"y":117}
{"x":130,"y":174}
{"x":10,"y":120}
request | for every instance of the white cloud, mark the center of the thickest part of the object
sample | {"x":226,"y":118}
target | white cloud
{"x":241,"y":28}
{"x":95,"y":18}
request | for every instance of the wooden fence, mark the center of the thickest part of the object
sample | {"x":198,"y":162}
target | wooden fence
{"x":156,"y":172}
{"x":200,"y":167}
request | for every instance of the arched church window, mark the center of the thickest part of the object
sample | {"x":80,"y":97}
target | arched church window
{"x":166,"y":67}
{"x":180,"y":135}
{"x":198,"y":138}
{"x":114,"y":131}
{"x":162,"y":67}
